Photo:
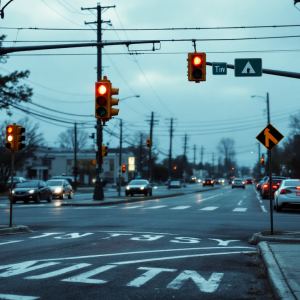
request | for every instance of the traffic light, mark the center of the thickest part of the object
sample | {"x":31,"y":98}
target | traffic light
{"x":123,"y":168}
{"x":101,"y":99}
{"x":94,"y":162}
{"x":19,"y":138}
{"x":196,"y":67}
{"x":175,"y":167}
{"x":262,"y":160}
{"x":10,"y":137}
{"x":148,"y":144}
{"x":104,"y":152}
{"x":113,"y":101}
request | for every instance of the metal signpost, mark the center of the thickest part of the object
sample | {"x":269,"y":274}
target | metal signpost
{"x":270,"y":137}
{"x":248,"y":67}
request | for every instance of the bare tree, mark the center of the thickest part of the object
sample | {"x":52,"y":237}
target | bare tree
{"x":226,"y":148}
{"x":295,"y":123}
{"x":33,"y":141}
{"x":66,"y":139}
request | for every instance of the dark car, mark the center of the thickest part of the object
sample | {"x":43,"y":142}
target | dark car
{"x":175,"y":184}
{"x":70,"y":179}
{"x":138,"y":186}
{"x":249,"y":180}
{"x":60,"y":188}
{"x":34,"y":190}
{"x":208,"y":181}
{"x":265,"y":188}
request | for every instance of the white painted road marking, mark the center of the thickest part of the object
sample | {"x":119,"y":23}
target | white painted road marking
{"x":180,"y":207}
{"x":240,"y":202}
{"x":75,"y":235}
{"x":129,"y":207}
{"x":263,"y":208}
{"x":58,"y":272}
{"x":207,"y":286}
{"x":30,"y":205}
{"x":84,"y":277}
{"x":185,"y":240}
{"x":10,"y":243}
{"x":93,"y":207}
{"x":45,"y":234}
{"x":147,"y":237}
{"x":223,"y":242}
{"x":17,"y":297}
{"x":145,"y":277}
{"x":209,"y":208}
{"x":155,"y":207}
{"x":240,"y":209}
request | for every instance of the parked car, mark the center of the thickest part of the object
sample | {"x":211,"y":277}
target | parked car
{"x":208,"y":181}
{"x":287,"y":195}
{"x":193,"y":179}
{"x":16,"y":180}
{"x":60,"y":188}
{"x":175,"y":184}
{"x":238,"y":183}
{"x":265,"y":188}
{"x":35,"y":190}
{"x":138,"y":186}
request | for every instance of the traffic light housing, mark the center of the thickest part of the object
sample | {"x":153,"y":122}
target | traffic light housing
{"x":148,"y":143}
{"x":10,"y":137}
{"x":197,"y":67}
{"x":123,"y":168}
{"x":104,"y":152}
{"x":113,"y":101}
{"x":19,"y":138}
{"x":262,"y":161}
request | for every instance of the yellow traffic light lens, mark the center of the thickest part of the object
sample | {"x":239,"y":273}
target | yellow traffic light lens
{"x":102,"y":89}
{"x":10,"y":138}
{"x":101,"y":101}
{"x":197,"y":61}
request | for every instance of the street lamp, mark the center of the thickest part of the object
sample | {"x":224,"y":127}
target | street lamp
{"x":137,"y":96}
{"x":268,"y":106}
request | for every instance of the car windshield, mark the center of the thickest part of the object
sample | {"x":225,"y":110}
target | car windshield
{"x":292,"y":183}
{"x":55,"y":182}
{"x":174,"y":182}
{"x":237,"y":180}
{"x":138,"y":182}
{"x":208,"y":179}
{"x":28,"y":184}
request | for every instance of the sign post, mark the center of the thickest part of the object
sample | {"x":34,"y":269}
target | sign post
{"x":270,"y":137}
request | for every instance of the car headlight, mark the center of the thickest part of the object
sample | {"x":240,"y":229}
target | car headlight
{"x":31,"y":191}
{"x":142,"y":187}
{"x":13,"y":192}
{"x":155,"y":187}
{"x":58,"y":190}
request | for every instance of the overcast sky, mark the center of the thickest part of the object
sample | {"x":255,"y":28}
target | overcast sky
{"x":207,"y":111}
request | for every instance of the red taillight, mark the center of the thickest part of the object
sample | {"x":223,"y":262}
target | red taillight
{"x":285,"y":192}
{"x":211,"y":182}
{"x":275,"y":186}
{"x":266,"y":186}
{"x":298,"y":187}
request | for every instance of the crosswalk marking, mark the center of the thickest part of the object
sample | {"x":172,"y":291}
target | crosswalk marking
{"x":240,"y":209}
{"x":209,"y":208}
{"x":155,"y":207}
{"x":93,"y":207}
{"x":129,"y":207}
{"x":180,"y":207}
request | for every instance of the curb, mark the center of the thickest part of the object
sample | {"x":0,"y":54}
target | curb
{"x":14,"y":229}
{"x":134,"y":200}
{"x":258,"y":237}
{"x":277,"y":281}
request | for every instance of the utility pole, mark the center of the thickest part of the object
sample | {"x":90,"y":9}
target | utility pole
{"x":150,"y":149}
{"x":120,"y":160}
{"x":195,"y":157}
{"x":170,"y":152}
{"x":184,"y":156}
{"x":141,"y":156}
{"x":213,"y":163}
{"x":259,"y":173}
{"x":98,"y":192}
{"x":201,"y":154}
{"x":75,"y":156}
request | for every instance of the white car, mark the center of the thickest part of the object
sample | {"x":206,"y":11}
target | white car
{"x":287,"y":195}
{"x":238,"y":183}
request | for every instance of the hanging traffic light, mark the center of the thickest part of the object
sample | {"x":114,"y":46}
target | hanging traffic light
{"x":101,"y":98}
{"x":19,"y":138}
{"x":10,"y":137}
{"x":123,"y":168}
{"x":262,"y":160}
{"x":112,"y":101}
{"x":104,"y":152}
{"x":148,"y":143}
{"x":196,"y":67}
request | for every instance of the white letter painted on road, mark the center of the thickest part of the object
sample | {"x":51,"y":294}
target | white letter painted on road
{"x":187,"y":240}
{"x":75,"y":235}
{"x":58,"y":272}
{"x":145,"y":277}
{"x":147,"y":237}
{"x":115,"y":235}
{"x":20,"y":268}
{"x":17,"y":297}
{"x":84,"y":277}
{"x":224,"y":243}
{"x":44,"y":235}
{"x":207,"y":286}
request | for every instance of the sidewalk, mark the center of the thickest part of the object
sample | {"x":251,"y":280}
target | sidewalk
{"x":281,"y":255}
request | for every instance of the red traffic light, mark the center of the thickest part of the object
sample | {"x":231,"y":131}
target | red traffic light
{"x":102,"y":89}
{"x":197,"y":60}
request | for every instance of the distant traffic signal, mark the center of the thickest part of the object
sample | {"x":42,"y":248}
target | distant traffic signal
{"x":148,"y":143}
{"x":262,"y":160}
{"x":10,"y":137}
{"x":94,"y":162}
{"x":175,"y":167}
{"x":19,"y":138}
{"x":104,"y":152}
{"x":123,"y":168}
{"x":196,"y":67}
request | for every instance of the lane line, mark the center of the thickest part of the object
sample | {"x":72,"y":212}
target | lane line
{"x":10,"y":243}
{"x":17,"y":297}
{"x":155,"y":207}
{"x":180,"y":207}
{"x":263,"y":208}
{"x":91,"y":207}
{"x":130,"y":207}
{"x":240,"y":202}
{"x":240,"y":209}
{"x":209,"y":208}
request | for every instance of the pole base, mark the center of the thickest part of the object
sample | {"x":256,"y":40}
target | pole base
{"x":98,"y":192}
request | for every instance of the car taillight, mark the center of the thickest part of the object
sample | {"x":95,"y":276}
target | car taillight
{"x":266,"y":186}
{"x":211,"y":182}
{"x":298,"y":187}
{"x":285,"y":192}
{"x":275,"y":186}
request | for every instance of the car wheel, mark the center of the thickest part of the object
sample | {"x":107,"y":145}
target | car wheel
{"x":243,"y":187}
{"x":70,"y":195}
{"x":126,"y":194}
{"x":38,"y":198}
{"x":62,"y":195}
{"x":131,"y":194}
{"x":49,"y":198}
{"x":150,"y":194}
{"x":146,"y":194}
{"x":278,"y":208}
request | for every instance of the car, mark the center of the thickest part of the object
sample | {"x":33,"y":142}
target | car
{"x":16,"y":180}
{"x":260,"y":183}
{"x":60,"y":188}
{"x":138,"y":186}
{"x":221,"y":181}
{"x":193,"y":179}
{"x":287,"y":195}
{"x":249,"y":180}
{"x":175,"y":184}
{"x":69,"y":178}
{"x":265,"y":188}
{"x":238,"y":183}
{"x":35,"y":190}
{"x":208,"y":181}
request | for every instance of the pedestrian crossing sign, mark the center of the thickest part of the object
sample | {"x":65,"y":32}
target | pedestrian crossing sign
{"x":270,"y":137}
{"x":248,"y":67}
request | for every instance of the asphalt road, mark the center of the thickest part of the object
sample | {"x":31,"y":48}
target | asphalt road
{"x":187,"y":247}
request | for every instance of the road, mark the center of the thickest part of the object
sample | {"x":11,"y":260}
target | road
{"x":187,"y":247}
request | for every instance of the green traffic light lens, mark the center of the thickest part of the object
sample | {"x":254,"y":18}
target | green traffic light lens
{"x":101,"y":101}
{"x":197,"y":73}
{"x":101,"y":112}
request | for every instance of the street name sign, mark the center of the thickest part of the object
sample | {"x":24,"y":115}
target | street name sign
{"x":270,"y":137}
{"x":248,"y":67}
{"x":219,"y":68}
